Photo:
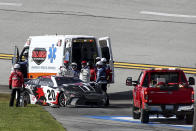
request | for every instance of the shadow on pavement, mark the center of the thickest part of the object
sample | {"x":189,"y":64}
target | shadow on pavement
{"x":126,"y":95}
{"x":120,"y":99}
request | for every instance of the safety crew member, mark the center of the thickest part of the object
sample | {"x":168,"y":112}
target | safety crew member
{"x":64,"y":70}
{"x":24,"y":64}
{"x":108,"y":70}
{"x":85,"y":72}
{"x":97,"y":59}
{"x":74,"y":69}
{"x":92,"y":71}
{"x":16,"y":83}
{"x":101,"y":78}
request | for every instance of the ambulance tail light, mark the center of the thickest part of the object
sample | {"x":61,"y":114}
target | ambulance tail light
{"x":192,"y":97}
{"x":145,"y":96}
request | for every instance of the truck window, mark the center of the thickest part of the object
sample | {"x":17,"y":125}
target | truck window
{"x":104,"y":49}
{"x":24,"y":54}
{"x":183,"y":78}
{"x":67,"y":52}
{"x":46,"y":82}
{"x":170,"y":77}
{"x":140,"y":78}
{"x":145,"y":82}
{"x":84,"y":49}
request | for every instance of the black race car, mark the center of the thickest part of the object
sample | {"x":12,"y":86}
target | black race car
{"x":63,"y":91}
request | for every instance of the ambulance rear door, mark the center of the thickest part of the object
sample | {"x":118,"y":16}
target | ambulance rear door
{"x":106,"y":52}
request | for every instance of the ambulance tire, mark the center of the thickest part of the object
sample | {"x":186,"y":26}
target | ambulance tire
{"x":144,"y":116}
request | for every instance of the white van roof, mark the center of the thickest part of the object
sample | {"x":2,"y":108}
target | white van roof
{"x":46,"y":38}
{"x":60,"y":36}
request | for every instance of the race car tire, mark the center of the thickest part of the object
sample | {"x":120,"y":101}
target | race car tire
{"x":144,"y":116}
{"x":189,"y":118}
{"x":62,"y":100}
{"x":26,"y":98}
{"x":134,"y":114}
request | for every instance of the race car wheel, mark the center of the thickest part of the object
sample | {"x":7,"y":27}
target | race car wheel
{"x":189,"y":118}
{"x":26,"y":98}
{"x":62,"y":100}
{"x":134,"y":114}
{"x":144,"y":116}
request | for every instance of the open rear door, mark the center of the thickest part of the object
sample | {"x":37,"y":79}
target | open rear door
{"x":106,"y":52}
{"x":15,"y":58}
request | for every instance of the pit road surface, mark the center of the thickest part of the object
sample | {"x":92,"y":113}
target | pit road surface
{"x":137,"y":36}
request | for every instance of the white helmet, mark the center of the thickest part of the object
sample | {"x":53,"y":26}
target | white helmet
{"x":16,"y":66}
{"x":99,"y":63}
{"x":98,"y":58}
{"x":74,"y":64}
{"x":103,"y":60}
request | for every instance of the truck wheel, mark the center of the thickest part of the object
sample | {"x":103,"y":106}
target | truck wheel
{"x":144,"y":116}
{"x":180,"y":117}
{"x":189,"y":118}
{"x":134,"y":114}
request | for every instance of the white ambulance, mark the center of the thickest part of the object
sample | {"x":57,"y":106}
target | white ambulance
{"x":45,"y":54}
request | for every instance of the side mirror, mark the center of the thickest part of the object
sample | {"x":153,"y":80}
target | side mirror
{"x":129,"y":81}
{"x":191,"y":81}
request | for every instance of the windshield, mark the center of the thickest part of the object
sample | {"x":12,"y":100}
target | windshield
{"x":67,"y":80}
{"x":167,"y":77}
{"x":84,"y":49}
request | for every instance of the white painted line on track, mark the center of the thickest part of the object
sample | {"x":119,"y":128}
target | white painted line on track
{"x":131,"y":120}
{"x":167,"y":14}
{"x":10,"y":4}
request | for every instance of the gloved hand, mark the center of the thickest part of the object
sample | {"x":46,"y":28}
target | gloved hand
{"x":10,"y":87}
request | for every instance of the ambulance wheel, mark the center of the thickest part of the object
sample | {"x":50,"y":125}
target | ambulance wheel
{"x":144,"y":116}
{"x":62,"y":100}
{"x":189,"y":118}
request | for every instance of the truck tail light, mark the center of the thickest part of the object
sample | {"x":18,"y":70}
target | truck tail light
{"x":145,"y":96}
{"x":192,"y":96}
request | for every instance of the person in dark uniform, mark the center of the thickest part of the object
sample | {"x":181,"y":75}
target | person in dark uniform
{"x":101,"y":78}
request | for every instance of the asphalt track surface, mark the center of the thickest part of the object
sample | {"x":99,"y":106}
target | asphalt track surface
{"x":142,"y":31}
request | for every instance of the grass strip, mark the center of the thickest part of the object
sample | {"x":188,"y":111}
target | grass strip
{"x":30,"y":118}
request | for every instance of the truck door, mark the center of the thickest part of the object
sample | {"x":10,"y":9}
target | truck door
{"x":106,"y":52}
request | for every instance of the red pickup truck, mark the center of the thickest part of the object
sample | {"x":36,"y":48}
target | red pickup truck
{"x":162,"y":91}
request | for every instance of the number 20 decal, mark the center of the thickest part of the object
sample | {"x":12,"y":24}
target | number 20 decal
{"x":51,"y":95}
